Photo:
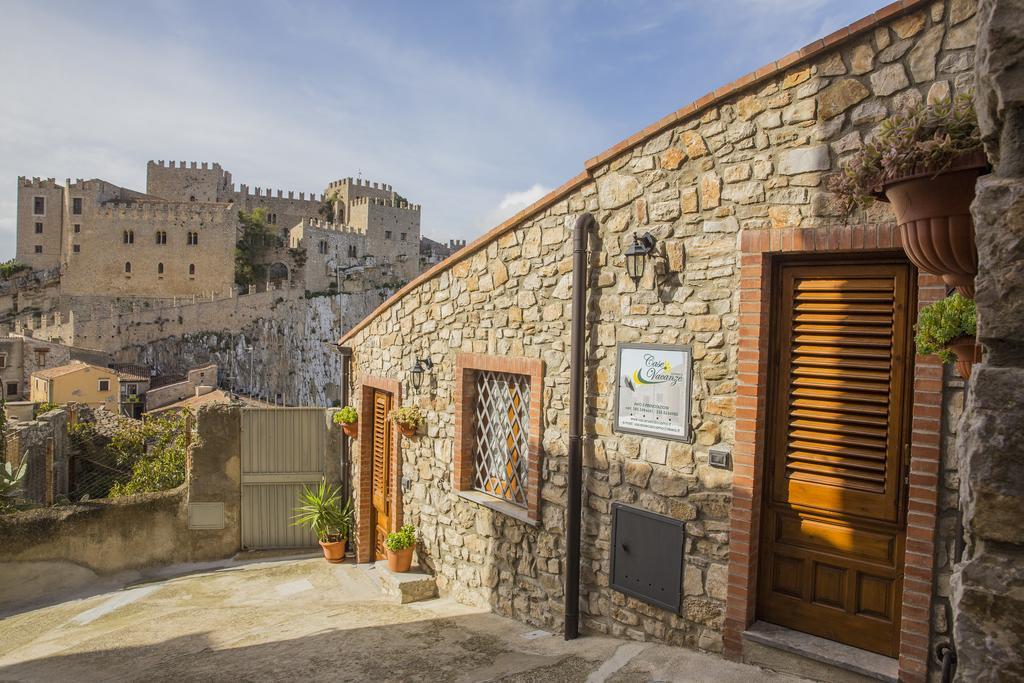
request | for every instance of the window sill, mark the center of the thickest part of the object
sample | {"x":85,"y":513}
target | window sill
{"x":508,"y":509}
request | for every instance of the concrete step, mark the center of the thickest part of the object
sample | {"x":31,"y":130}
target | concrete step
{"x":411,"y":586}
{"x":788,"y":651}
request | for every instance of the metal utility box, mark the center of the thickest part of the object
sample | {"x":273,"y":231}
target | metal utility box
{"x":647,"y":556}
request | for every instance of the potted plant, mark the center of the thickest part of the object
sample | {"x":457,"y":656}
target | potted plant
{"x":400,"y":545}
{"x":348,"y":418}
{"x":322,"y":512}
{"x":409,"y":419}
{"x":947,"y":328}
{"x":925,"y":162}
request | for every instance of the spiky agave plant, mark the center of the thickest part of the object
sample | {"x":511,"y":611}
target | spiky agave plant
{"x":10,"y":483}
{"x":320,"y":509}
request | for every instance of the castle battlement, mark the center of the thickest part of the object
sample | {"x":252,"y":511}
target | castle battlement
{"x":268,"y":193}
{"x":359,"y":182}
{"x":197,"y":165}
{"x":216,"y":213}
{"x":385,"y":202}
{"x":38,"y":183}
{"x":322,"y":224}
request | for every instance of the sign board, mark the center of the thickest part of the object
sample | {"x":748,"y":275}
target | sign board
{"x":652,"y":391}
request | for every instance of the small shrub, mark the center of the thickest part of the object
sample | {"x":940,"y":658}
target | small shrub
{"x":944,"y":321}
{"x":45,"y":408}
{"x":346,"y":416}
{"x":9,"y":269}
{"x":926,"y":137}
{"x":401,"y":539}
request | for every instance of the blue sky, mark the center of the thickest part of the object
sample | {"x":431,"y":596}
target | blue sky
{"x":472,"y":109}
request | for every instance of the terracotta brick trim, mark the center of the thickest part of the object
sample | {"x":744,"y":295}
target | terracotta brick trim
{"x":757,"y":250}
{"x":770,"y":70}
{"x":364,"y":486}
{"x":466,"y":367}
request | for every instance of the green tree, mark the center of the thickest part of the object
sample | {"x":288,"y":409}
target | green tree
{"x":255,"y":240}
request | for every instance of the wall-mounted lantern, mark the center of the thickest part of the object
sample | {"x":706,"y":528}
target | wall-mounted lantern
{"x":420,"y":368}
{"x":636,"y":255}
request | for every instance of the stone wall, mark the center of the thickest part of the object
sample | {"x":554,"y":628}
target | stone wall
{"x":753,"y":159}
{"x":988,"y":583}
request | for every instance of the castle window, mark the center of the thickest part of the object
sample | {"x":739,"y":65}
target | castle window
{"x":78,"y":228}
{"x":272,"y":218}
{"x":76,"y":206}
{"x":161,"y":237}
{"x":193,"y":238}
{"x":39,"y":228}
{"x":39,"y":206}
{"x":127,"y":266}
{"x":3,"y":360}
{"x":159,"y":269}
{"x":387,"y":234}
{"x":191,"y":269}
{"x":129,"y":237}
{"x":38,"y":249}
{"x":402,"y":237}
{"x":12,"y":388}
{"x":76,"y":248}
{"x":352,"y":250}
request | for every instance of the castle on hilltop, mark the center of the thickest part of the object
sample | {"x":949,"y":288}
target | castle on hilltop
{"x":178,"y":238}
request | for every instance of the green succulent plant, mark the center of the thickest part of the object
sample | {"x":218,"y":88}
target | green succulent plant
{"x":927,"y":137}
{"x":346,"y":416}
{"x":401,"y":539}
{"x":10,"y":483}
{"x":942,"y":322}
{"x":320,"y":509}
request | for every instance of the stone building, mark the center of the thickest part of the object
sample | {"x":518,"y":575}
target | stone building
{"x":750,"y":254}
{"x":178,"y":238}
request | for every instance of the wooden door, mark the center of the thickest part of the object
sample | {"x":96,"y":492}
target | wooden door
{"x":382,"y":445}
{"x":833,"y":527}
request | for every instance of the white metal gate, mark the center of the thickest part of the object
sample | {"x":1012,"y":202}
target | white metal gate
{"x":283,"y":449}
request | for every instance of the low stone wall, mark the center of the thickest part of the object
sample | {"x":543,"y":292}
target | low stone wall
{"x":105,"y":536}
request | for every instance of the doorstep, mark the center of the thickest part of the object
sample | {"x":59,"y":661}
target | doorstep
{"x":782,"y":649}
{"x":401,"y":588}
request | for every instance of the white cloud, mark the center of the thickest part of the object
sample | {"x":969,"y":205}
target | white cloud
{"x":513,"y":202}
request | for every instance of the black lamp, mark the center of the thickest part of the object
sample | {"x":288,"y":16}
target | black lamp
{"x":636,"y":255}
{"x":421,"y":366}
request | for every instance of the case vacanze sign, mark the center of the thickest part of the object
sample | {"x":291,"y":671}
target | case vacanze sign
{"x":652,"y":395}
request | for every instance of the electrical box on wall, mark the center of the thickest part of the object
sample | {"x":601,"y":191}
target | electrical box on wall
{"x":647,"y":556}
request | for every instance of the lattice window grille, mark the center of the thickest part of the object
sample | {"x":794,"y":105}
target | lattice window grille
{"x":502,"y":430}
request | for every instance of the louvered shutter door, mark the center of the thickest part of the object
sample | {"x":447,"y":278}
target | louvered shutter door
{"x":381,"y":464}
{"x":833,"y":523}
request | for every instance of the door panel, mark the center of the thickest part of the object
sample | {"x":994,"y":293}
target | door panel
{"x":834,"y":512}
{"x":382,"y":445}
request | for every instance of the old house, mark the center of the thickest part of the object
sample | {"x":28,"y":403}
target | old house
{"x":77,"y":382}
{"x":804,"y":468}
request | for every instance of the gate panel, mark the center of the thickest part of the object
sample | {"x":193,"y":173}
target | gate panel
{"x":283,"y":449}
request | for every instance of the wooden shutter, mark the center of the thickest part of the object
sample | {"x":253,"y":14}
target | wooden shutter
{"x":833,"y":535}
{"x":381,"y":449}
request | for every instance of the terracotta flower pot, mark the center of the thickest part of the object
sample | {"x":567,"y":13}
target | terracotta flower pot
{"x":350,"y":429}
{"x":968,"y":352}
{"x":406,"y":430}
{"x":400,"y":561}
{"x":934,"y":217}
{"x":334,"y":551}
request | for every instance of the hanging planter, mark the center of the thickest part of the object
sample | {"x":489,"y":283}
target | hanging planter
{"x":408,"y":419}
{"x":925,"y":162}
{"x":947,"y":328}
{"x":348,"y":418}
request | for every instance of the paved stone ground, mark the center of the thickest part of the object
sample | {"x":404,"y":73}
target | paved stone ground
{"x":306,"y":619}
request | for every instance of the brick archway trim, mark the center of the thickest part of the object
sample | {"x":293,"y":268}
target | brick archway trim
{"x":364,"y":488}
{"x":757,"y":248}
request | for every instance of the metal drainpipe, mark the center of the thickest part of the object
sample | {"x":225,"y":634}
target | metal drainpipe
{"x":577,"y":362}
{"x":346,"y":370}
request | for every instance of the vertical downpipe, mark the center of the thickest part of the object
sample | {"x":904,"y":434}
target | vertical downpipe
{"x":346,"y":371}
{"x":577,"y":364}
